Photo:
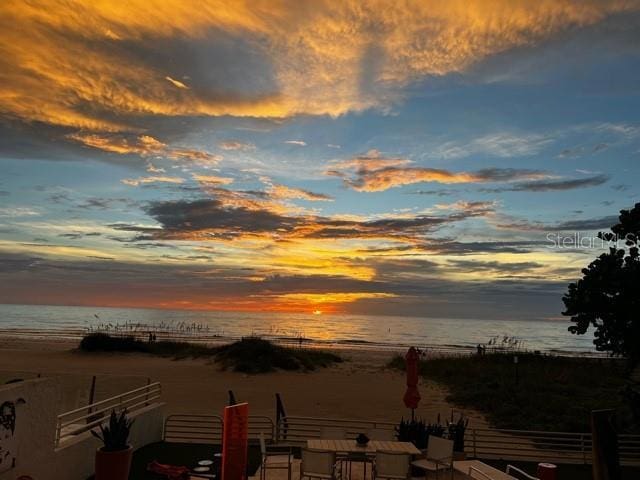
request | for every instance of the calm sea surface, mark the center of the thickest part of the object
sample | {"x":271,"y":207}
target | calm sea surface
{"x":348,"y":329}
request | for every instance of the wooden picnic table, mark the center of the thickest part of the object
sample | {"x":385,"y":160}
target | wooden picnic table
{"x":351,"y":446}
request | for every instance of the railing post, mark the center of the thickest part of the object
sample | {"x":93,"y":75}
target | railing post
{"x":58,"y":432}
{"x":92,"y":397}
{"x":475,"y":452}
{"x":146,"y":398}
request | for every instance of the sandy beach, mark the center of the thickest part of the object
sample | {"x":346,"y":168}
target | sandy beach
{"x":359,"y":388}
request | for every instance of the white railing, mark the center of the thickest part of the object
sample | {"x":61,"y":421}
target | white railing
{"x":562,"y":447}
{"x":88,"y":417}
{"x":185,"y":428}
{"x":297,"y":430}
{"x":559,"y":447}
{"x":483,"y":443}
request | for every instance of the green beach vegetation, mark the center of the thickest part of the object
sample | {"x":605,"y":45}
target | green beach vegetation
{"x":544,"y":393}
{"x":248,"y":355}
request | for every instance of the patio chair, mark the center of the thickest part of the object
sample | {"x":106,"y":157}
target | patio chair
{"x":319,"y":464}
{"x":439,"y":456}
{"x":381,"y":434}
{"x":274,"y":458}
{"x":391,"y":465}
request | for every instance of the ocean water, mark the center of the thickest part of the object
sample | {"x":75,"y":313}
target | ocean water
{"x":334,"y":329}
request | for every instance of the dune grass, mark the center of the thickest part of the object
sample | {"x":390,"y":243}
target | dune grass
{"x":255,"y":355}
{"x":550,"y":393}
{"x":249,"y":355}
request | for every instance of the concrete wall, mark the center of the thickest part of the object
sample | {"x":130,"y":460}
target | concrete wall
{"x":74,"y":458}
{"x":35,"y":426}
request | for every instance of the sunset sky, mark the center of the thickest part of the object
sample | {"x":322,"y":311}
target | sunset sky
{"x":408,"y":158}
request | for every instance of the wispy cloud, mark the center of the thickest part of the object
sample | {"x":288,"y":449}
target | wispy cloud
{"x":299,"y":143}
{"x":134,"y":182}
{"x":13,"y":212}
{"x":145,"y":146}
{"x":212,"y":179}
{"x":374,"y":173}
{"x":236,"y":145}
{"x":502,"y":145}
{"x":284,"y":192}
{"x":176,"y":83}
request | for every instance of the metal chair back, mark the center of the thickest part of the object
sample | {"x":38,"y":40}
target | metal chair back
{"x":440,"y":449}
{"x":316,"y":463}
{"x":392,"y":464}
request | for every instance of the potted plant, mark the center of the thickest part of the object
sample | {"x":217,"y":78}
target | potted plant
{"x":418,"y":432}
{"x":113,"y":459}
{"x":456,"y":431}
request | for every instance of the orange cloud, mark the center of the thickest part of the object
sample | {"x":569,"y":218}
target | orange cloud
{"x":236,"y":145}
{"x":67,"y":63}
{"x":176,"y":83}
{"x":143,"y":145}
{"x":374,"y":173}
{"x":135,"y":182}
{"x":284,"y":192}
{"x":212,"y":179}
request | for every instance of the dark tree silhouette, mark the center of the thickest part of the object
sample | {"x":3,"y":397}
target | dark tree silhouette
{"x":608,"y":295}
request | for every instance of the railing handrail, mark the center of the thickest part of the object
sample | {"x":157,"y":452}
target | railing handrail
{"x":149,"y":387}
{"x":483,"y":442}
{"x":130,"y":400}
{"x":197,"y":427}
{"x":342,"y":420}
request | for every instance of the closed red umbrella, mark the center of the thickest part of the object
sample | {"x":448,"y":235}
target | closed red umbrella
{"x":412,"y":395}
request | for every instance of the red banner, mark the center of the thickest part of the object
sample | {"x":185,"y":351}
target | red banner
{"x":234,"y":442}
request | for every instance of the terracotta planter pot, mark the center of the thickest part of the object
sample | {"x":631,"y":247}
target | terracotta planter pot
{"x":113,"y":465}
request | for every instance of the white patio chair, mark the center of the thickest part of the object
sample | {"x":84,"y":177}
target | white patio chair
{"x":391,"y":465}
{"x":439,"y":456}
{"x":319,"y":464}
{"x":381,"y":434}
{"x":279,"y":458}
